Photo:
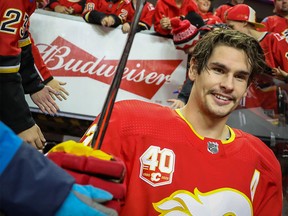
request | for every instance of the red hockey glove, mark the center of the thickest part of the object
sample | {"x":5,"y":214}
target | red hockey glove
{"x":93,"y":167}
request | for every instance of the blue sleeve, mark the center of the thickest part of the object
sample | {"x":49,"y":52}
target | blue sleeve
{"x":7,"y":149}
{"x":30,"y":184}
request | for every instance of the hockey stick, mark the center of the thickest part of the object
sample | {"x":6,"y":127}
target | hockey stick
{"x":102,"y":123}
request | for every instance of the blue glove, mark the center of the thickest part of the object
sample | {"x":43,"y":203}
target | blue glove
{"x":86,"y":201}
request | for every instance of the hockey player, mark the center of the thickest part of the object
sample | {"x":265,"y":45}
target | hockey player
{"x":36,"y":186}
{"x":188,"y":161}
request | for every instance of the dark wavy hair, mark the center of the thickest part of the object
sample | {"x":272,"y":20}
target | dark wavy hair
{"x":232,"y":38}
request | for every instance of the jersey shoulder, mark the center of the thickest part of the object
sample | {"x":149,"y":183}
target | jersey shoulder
{"x":257,"y":148}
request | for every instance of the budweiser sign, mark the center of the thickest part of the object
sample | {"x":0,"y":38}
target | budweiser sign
{"x":141,"y":77}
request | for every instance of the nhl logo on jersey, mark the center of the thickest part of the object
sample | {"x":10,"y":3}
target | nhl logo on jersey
{"x":213,"y":147}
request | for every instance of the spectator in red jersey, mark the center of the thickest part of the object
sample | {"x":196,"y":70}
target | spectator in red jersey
{"x":107,"y":13}
{"x":209,"y":18}
{"x":146,"y":18}
{"x":67,"y":6}
{"x":279,"y":22}
{"x":221,"y":10}
{"x":243,"y":18}
{"x":167,"y":9}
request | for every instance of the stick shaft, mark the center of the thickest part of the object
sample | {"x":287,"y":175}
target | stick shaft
{"x":104,"y":117}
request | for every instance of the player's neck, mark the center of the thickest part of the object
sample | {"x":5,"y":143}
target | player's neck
{"x":206,"y":126}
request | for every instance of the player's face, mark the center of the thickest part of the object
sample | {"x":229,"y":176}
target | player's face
{"x":204,"y":5}
{"x":219,"y":88}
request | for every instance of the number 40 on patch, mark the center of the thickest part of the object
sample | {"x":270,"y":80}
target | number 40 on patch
{"x":157,"y":166}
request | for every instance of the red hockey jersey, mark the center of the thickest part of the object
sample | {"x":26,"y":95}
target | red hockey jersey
{"x":14,"y":17}
{"x":147,"y":15}
{"x":173,"y":170}
{"x":275,"y":48}
{"x":275,"y":23}
{"x":168,"y":8}
{"x":121,"y":8}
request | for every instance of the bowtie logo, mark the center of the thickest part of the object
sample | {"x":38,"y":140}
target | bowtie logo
{"x":141,"y":76}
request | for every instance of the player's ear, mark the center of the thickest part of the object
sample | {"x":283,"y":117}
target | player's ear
{"x":192,"y":70}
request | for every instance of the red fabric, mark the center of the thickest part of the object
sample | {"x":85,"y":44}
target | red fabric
{"x":112,"y":169}
{"x":210,"y":19}
{"x":275,"y":24}
{"x":275,"y":48}
{"x":120,"y":8}
{"x":221,"y":11}
{"x":75,"y":5}
{"x":264,"y":98}
{"x":146,"y":17}
{"x":9,"y":40}
{"x":168,"y":8}
{"x":107,"y":175}
{"x":41,"y":67}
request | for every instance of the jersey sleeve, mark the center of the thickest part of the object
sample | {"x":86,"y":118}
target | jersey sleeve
{"x":146,"y":19}
{"x":31,"y":80}
{"x":268,"y":198}
{"x":40,"y":66}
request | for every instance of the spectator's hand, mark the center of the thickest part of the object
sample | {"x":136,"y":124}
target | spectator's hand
{"x":44,"y":100}
{"x":62,"y":9}
{"x":126,"y":28}
{"x":165,"y":23}
{"x":86,"y":200}
{"x":71,"y":10}
{"x":61,"y":92}
{"x":33,"y":136}
{"x":280,"y":73}
{"x":176,"y":103}
{"x":107,"y":21}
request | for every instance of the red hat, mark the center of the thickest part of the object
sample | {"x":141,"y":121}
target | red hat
{"x":243,"y":12}
{"x":185,"y":35}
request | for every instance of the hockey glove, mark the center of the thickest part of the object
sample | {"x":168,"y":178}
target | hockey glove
{"x":94,"y":167}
